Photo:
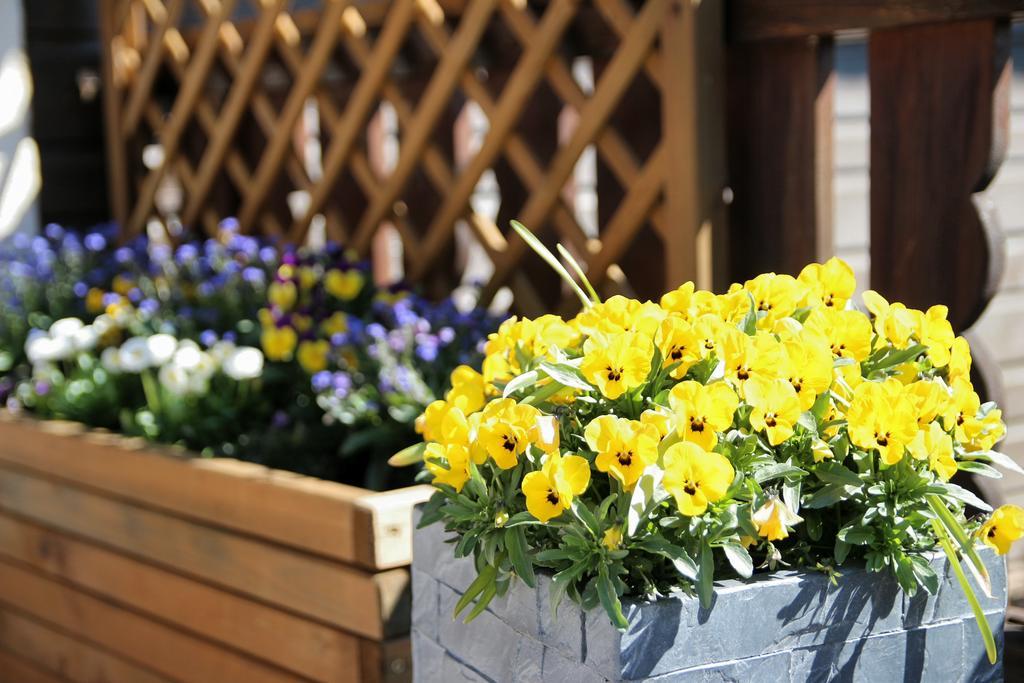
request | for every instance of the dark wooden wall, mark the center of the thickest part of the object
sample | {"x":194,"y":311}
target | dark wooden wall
{"x":62,"y":42}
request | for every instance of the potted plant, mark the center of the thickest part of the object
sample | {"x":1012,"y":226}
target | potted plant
{"x":774,"y":439}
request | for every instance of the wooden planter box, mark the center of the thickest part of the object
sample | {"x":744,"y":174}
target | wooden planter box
{"x":789,"y":626}
{"x":125,"y":561}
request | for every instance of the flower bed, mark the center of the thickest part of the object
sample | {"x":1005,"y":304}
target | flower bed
{"x":642,"y":449}
{"x":123,"y":556}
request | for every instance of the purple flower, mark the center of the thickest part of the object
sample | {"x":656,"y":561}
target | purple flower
{"x":229,"y":224}
{"x":54,"y":232}
{"x":149,"y":307}
{"x":280,"y":420}
{"x":42,"y":388}
{"x":321,"y":381}
{"x":135,"y":295}
{"x":80,"y":289}
{"x":111,"y":298}
{"x":229,"y":336}
{"x":376,"y":331}
{"x":207,"y":338}
{"x":124,"y":255}
{"x":396,"y":340}
{"x":341,"y":383}
{"x":94,"y":241}
{"x":268,"y":255}
{"x":186,"y":253}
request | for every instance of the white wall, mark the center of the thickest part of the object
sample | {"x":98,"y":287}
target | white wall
{"x":19,"y":156}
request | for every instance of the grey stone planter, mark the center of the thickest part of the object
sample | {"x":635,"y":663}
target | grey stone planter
{"x":788,"y":626}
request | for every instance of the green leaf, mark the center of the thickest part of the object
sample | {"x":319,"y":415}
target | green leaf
{"x":739,"y":558}
{"x":706,"y":577}
{"x":856,"y":534}
{"x":556,"y":265}
{"x":566,"y":375}
{"x":552,"y":555}
{"x":561,"y":582}
{"x":520,"y":519}
{"x":1001,"y":459}
{"x":610,"y":599}
{"x":979,"y":613}
{"x":925,"y":574}
{"x":586,"y":516}
{"x":432,"y":510}
{"x":950,"y":523}
{"x":833,"y":473}
{"x":749,"y":323}
{"x":979,"y":468}
{"x":776,"y":471}
{"x":527,"y":379}
{"x":408,"y":456}
{"x":828,"y":495}
{"x":951,"y":490}
{"x":515,"y":543}
{"x":656,"y":545}
{"x":484,"y":579}
{"x":578,"y":269}
{"x":842,"y":549}
{"x":486,"y":595}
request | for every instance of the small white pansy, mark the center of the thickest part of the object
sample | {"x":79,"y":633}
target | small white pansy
{"x":161,"y":348}
{"x":134,"y":356}
{"x":246,"y":362}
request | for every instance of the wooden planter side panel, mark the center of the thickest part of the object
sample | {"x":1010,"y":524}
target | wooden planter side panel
{"x":340,"y":522}
{"x":105,"y":575}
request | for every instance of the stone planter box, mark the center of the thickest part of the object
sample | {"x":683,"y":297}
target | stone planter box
{"x":788,"y":626}
{"x":125,"y":561}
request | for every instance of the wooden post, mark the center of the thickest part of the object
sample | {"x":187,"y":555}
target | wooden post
{"x":939,"y":122}
{"x":693,"y":126}
{"x":117,"y":170}
{"x":780,"y":154}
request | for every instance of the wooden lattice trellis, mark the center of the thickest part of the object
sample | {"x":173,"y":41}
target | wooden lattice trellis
{"x":392,"y":115}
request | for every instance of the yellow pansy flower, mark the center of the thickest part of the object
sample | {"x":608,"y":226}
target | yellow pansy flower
{"x":448,"y":463}
{"x":344,"y":284}
{"x":550,"y":491}
{"x":893,"y":322}
{"x":94,"y":300}
{"x":821,"y":451}
{"x":831,"y":283}
{"x":775,"y":408}
{"x":122,"y":285}
{"x":624,"y":447}
{"x":312,"y":355}
{"x":660,"y":420}
{"x":935,"y":447}
{"x":710,"y":330}
{"x":620,"y":314}
{"x":808,"y":368}
{"x":612,"y":538}
{"x":702,"y":411}
{"x":679,"y":300}
{"x":337,"y":323}
{"x":279,"y":342}
{"x":777,"y":296}
{"x":773,"y":520}
{"x":679,"y":345}
{"x":504,"y":431}
{"x":934,"y":331}
{"x":301,"y":323}
{"x":696,"y":477}
{"x":962,"y":410}
{"x":618,"y":363}
{"x":749,"y":357}
{"x":989,"y":430}
{"x":308,"y":277}
{"x":444,"y":422}
{"x":282,"y":294}
{"x":1005,"y":526}
{"x":930,"y":399}
{"x":959,"y":365}
{"x":847,"y":332}
{"x":881,"y":416}
{"x":467,"y":390}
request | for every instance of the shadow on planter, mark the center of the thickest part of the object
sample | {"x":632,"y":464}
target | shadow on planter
{"x":785,"y":626}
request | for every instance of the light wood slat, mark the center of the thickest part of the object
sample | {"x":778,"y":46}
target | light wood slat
{"x":113,"y":96}
{"x":147,"y":643}
{"x":435,"y":98}
{"x":181,"y":111}
{"x":304,"y":647}
{"x":243,"y":83}
{"x":520,"y":86}
{"x":593,"y":116}
{"x":16,"y":670}
{"x":143,"y":86}
{"x":277,"y":146}
{"x":630,"y":215}
{"x":352,"y":599}
{"x":61,"y":655}
{"x":289,"y":509}
{"x":620,"y":18}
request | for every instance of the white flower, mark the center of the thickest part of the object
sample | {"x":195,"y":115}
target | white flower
{"x":134,"y":356}
{"x":109,"y":359}
{"x":246,"y":362}
{"x":103,"y":324}
{"x":42,"y":348}
{"x":65,"y":327}
{"x":174,"y":379}
{"x":85,"y":338}
{"x":221,"y":350}
{"x":161,"y":348}
{"x":187,"y":357}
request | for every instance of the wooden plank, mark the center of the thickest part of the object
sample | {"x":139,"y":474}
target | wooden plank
{"x":147,"y":643}
{"x":384,"y":524}
{"x":296,"y":511}
{"x":16,"y":670}
{"x":277,"y":146}
{"x":387,"y":662}
{"x":366,"y":604}
{"x":778,"y":100}
{"x":620,"y":72}
{"x":304,"y":647}
{"x":761,"y":19}
{"x":65,"y":657}
{"x":938,"y":131}
{"x":234,"y":107}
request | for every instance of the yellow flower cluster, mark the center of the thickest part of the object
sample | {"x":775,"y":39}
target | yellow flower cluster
{"x":628,"y":387}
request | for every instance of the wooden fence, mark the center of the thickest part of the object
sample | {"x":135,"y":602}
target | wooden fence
{"x":660,"y":140}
